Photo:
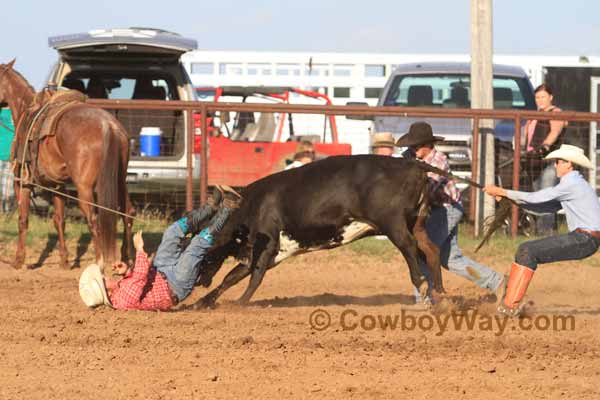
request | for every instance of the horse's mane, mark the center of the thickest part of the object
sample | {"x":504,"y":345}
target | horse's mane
{"x":19,"y":75}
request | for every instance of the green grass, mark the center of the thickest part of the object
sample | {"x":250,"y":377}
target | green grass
{"x":42,"y":228}
{"x":373,"y":247}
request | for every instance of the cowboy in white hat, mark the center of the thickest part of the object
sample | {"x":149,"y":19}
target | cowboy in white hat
{"x":383,"y":144}
{"x":174,"y":271}
{"x":579,"y":201}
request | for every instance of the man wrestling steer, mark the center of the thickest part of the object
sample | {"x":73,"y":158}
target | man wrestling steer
{"x":578,"y":199}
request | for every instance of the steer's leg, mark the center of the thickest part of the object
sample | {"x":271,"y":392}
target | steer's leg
{"x":234,"y":276}
{"x":431,"y":251}
{"x":396,"y":229}
{"x":263,"y":255}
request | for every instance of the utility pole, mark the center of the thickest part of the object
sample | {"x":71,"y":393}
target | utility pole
{"x":482,"y":97}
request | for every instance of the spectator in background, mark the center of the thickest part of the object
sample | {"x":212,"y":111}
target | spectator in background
{"x":305,"y":153}
{"x":383,"y":144}
{"x":306,"y":146}
{"x":543,"y":136}
{"x":7,"y":193}
{"x":301,"y":158}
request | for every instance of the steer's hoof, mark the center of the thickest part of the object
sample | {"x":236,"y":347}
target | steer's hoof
{"x":205,"y":304}
{"x":437,"y":296}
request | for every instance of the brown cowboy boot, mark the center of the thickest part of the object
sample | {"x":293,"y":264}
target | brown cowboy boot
{"x":231,"y":198}
{"x":518,"y":281}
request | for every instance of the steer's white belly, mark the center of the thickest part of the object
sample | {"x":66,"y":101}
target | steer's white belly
{"x":351,"y":232}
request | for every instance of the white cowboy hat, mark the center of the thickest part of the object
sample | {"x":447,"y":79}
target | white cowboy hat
{"x":91,"y":287}
{"x":571,"y":153}
{"x":383,"y":139}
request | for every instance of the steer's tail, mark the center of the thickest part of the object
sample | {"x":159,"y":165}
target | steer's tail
{"x":501,"y":214}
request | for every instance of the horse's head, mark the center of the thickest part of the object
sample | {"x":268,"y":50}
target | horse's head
{"x":4,"y":71}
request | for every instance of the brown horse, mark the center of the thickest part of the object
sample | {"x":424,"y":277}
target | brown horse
{"x":88,"y":148}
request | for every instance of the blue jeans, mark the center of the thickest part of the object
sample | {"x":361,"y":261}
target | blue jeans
{"x":544,"y":223}
{"x":442,"y":229}
{"x":180,"y":267}
{"x":570,"y":246}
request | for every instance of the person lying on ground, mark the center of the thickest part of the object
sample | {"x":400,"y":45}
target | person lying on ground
{"x":174,"y":270}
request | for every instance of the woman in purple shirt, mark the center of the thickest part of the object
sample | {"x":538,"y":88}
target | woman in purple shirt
{"x":579,"y":201}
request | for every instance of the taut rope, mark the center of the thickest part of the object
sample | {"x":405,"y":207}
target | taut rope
{"x":78,"y":199}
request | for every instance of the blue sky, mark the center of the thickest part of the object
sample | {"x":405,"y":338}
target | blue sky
{"x":550,"y":27}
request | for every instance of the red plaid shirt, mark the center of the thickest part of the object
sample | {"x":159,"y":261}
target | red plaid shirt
{"x":441,"y":189}
{"x":142,"y":289}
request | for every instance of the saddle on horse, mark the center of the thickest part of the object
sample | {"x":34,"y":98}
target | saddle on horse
{"x":37,"y":123}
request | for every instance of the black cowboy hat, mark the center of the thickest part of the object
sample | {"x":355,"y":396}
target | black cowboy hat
{"x":419,"y":133}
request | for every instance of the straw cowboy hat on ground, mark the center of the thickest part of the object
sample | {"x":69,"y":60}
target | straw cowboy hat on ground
{"x":570,"y":153}
{"x":419,"y":133}
{"x":382,"y":139}
{"x":92,"y":288}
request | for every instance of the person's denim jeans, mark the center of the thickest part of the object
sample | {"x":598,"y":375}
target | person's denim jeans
{"x":570,"y":246}
{"x":181,"y":267}
{"x":442,"y":228}
{"x":545,"y":223}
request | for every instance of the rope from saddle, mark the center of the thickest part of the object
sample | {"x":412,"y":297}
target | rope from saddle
{"x":68,"y":196}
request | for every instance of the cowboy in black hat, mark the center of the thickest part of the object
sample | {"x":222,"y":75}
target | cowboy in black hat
{"x":446,"y":211}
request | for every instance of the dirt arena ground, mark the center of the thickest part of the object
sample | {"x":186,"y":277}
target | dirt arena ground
{"x":52,"y":347}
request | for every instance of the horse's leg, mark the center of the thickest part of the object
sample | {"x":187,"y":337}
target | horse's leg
{"x":24,"y":199}
{"x":127,"y":254}
{"x":127,"y":246}
{"x":59,"y":224}
{"x":85,"y":193}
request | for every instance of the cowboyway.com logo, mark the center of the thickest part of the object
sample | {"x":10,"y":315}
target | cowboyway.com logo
{"x":352,"y":320}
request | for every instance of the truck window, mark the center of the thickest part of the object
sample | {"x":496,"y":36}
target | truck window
{"x":454,"y":91}
{"x":119,"y":87}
